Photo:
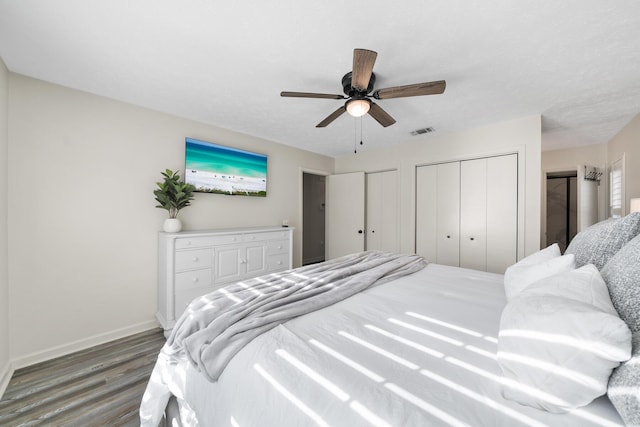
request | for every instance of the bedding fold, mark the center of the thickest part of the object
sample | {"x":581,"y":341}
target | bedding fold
{"x":218,"y":325}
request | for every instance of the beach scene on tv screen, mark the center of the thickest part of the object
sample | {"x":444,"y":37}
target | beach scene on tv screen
{"x":213,"y":168}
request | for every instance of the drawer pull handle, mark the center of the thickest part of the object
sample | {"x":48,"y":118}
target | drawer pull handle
{"x":279,"y":262}
{"x":195,"y":259}
{"x":188,"y":242}
{"x":195,"y":280}
{"x":279,"y":246}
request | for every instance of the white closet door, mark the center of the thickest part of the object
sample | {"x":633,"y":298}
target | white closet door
{"x":448,"y":213}
{"x":467,"y":213}
{"x":344,"y":214}
{"x":473,"y":214}
{"x":382,"y":211}
{"x":426,"y":212}
{"x":502,"y":212}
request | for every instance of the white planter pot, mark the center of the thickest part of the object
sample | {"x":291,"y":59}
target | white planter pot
{"x":172,"y":225}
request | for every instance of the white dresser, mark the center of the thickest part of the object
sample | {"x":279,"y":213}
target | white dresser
{"x":193,"y":263}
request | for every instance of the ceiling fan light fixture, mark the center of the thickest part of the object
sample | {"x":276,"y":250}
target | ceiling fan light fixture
{"x":358,"y":107}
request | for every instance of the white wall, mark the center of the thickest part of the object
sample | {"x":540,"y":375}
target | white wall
{"x":5,"y":368}
{"x":627,"y":142}
{"x":522,"y":136}
{"x":83,"y":226}
{"x":567,"y":160}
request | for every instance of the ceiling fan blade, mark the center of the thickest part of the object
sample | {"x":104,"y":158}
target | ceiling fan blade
{"x":418,"y":89}
{"x":331,"y":117}
{"x":363,"y":61}
{"x":311,"y":95}
{"x":380,"y":115}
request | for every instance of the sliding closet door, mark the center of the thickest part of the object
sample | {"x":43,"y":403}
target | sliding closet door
{"x":382,"y":211}
{"x":473,"y":214}
{"x":502,"y":212}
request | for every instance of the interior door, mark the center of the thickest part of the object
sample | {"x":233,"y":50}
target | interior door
{"x":438,"y":213}
{"x":345,"y":218}
{"x":426,"y":212}
{"x":473,"y":214}
{"x":448,"y":213}
{"x":313,"y":218}
{"x":382,"y":211}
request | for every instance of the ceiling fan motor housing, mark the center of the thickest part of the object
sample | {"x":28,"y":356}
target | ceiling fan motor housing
{"x":353,"y":93}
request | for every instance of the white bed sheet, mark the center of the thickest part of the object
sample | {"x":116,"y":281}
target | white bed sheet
{"x":414,"y":352}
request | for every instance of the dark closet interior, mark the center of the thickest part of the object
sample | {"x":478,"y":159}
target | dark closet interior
{"x":562,"y":211}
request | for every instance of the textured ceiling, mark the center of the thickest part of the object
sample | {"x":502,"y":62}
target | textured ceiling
{"x":575,"y":62}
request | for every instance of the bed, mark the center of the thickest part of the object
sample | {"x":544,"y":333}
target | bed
{"x":417,"y":349}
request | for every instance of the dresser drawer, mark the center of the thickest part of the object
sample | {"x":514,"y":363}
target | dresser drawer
{"x":197,"y":258}
{"x":278,"y":262}
{"x":277,"y":247}
{"x":193,"y":279}
{"x":184,"y":298}
{"x":271,"y":235}
{"x":199,"y":242}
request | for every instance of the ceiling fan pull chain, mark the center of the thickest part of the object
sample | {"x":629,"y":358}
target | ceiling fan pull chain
{"x":360,"y":130}
{"x":355,"y":138}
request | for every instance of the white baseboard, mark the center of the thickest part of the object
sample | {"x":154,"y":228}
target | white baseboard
{"x":82,"y":344}
{"x":5,"y":377}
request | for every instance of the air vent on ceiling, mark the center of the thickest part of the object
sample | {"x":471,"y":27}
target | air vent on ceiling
{"x":422,"y":131}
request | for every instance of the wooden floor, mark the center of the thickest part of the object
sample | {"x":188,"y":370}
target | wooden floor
{"x":100,"y":386}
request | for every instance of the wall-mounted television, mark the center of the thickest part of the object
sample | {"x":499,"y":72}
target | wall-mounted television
{"x":213,"y":168}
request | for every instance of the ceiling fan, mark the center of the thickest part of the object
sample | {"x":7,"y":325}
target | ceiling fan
{"x":358,"y":86}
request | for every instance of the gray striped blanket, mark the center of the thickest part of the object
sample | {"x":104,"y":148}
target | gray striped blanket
{"x":218,"y":325}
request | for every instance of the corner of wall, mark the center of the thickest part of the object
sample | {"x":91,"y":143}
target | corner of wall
{"x":5,"y":351}
{"x":5,"y":376}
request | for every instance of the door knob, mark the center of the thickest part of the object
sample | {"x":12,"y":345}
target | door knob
{"x":359,"y":231}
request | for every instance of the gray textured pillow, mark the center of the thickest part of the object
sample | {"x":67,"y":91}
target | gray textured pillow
{"x":624,"y":387}
{"x":622,"y":276}
{"x":598,"y":243}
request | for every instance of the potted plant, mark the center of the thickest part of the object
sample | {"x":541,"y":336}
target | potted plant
{"x":173,"y":195}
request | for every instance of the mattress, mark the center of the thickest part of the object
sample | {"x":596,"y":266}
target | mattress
{"x":417,"y":351}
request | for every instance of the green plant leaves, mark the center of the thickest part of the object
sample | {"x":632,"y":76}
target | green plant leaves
{"x":172,"y":194}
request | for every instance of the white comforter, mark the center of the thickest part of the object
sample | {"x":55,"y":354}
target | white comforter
{"x":418,"y":351}
{"x":216,"y":326}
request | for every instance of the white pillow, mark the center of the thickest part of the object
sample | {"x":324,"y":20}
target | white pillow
{"x":559,"y":341}
{"x":539,"y":265}
{"x":583,"y":284}
{"x":550,"y":252}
